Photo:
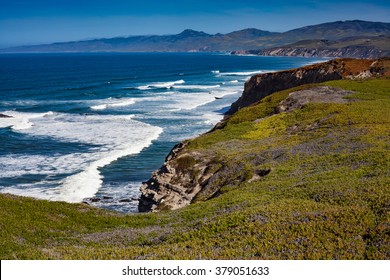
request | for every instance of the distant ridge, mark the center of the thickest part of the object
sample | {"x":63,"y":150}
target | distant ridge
{"x":353,"y":47}
{"x":197,"y":41}
{"x":340,"y":29}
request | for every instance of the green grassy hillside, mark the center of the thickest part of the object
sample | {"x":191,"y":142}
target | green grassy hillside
{"x":311,"y":183}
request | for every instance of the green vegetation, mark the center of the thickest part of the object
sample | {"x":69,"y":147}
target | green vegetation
{"x":326,"y":197}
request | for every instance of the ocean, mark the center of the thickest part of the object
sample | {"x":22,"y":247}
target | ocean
{"x":92,"y":127}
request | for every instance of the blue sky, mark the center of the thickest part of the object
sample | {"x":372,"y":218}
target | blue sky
{"x":43,"y":21}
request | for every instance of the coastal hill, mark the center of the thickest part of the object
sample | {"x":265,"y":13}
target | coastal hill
{"x":355,"y":47}
{"x":337,"y":30}
{"x":294,"y":173}
{"x":195,"y":41}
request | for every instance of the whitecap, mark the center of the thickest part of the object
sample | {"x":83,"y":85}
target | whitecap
{"x":166,"y":85}
{"x":241,"y":73}
{"x":20,"y":120}
{"x":195,"y":87}
{"x":212,"y":119}
{"x":191,"y":101}
{"x":143,"y":87}
{"x":113,"y":104}
{"x":99,"y":107}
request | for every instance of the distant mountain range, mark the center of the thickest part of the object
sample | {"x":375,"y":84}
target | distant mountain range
{"x":196,"y":41}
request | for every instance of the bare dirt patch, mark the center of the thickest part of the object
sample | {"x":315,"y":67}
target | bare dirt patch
{"x":322,"y":94}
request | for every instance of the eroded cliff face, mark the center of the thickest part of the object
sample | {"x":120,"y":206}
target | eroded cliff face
{"x":184,"y":178}
{"x":351,"y":51}
{"x":262,"y":85}
{"x":191,"y":175}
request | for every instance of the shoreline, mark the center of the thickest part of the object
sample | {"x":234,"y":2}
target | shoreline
{"x":232,"y":85}
{"x":284,"y":179}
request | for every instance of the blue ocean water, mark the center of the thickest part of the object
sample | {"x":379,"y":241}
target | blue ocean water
{"x":96,"y":125}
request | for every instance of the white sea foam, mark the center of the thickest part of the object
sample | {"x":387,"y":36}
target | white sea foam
{"x":20,"y":120}
{"x":113,"y":104}
{"x":212,"y":119}
{"x":31,"y":191}
{"x":143,"y":87}
{"x":316,"y":61}
{"x":226,"y":92}
{"x":176,"y":100}
{"x":166,"y":85}
{"x":99,"y":107}
{"x":87,"y":182}
{"x":234,"y":81}
{"x":215,"y":72}
{"x":19,"y":165}
{"x":192,"y":101}
{"x":195,"y":87}
{"x":112,"y":136}
{"x":241,"y":73}
{"x":183,"y":101}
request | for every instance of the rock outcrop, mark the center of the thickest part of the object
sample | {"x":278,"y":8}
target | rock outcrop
{"x":321,"y":94}
{"x":178,"y":182}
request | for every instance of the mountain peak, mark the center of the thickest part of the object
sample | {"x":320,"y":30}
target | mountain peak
{"x":192,"y":33}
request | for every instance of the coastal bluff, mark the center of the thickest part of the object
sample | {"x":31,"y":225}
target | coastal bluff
{"x":348,"y":51}
{"x":195,"y":174}
{"x":262,"y":85}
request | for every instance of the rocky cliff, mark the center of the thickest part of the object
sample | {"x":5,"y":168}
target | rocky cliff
{"x":372,"y":47}
{"x":187,"y":176}
{"x":262,"y":85}
{"x":351,"y":51}
{"x":195,"y":174}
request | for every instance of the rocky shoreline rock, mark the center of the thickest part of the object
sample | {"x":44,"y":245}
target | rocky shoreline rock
{"x":184,"y":177}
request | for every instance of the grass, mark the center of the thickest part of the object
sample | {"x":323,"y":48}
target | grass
{"x":326,"y":195}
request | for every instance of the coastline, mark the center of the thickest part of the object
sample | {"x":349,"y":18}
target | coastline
{"x":290,"y":179}
{"x":101,"y":116}
{"x":188,"y":177}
